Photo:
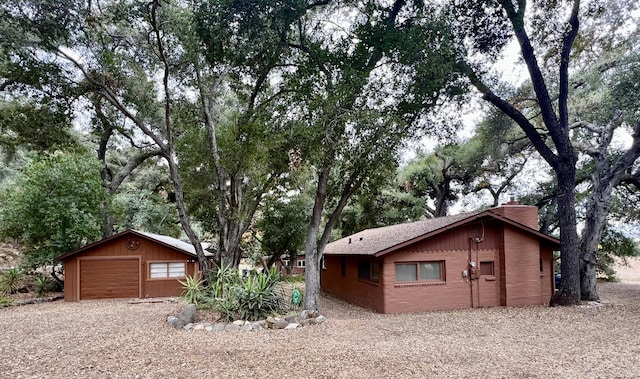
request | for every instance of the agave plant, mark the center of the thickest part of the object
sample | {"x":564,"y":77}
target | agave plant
{"x":41,"y":286}
{"x":10,"y":280}
{"x":193,"y":290}
{"x":260,"y":296}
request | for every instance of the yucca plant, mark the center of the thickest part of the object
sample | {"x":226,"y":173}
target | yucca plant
{"x":10,"y":280}
{"x":260,"y":296}
{"x":193,"y":290}
{"x":223,"y":280}
{"x":41,"y":286}
{"x":227,"y":307}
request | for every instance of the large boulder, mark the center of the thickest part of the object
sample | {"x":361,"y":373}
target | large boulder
{"x":186,"y":317}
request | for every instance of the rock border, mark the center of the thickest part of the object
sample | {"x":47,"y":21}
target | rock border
{"x":186,"y":321}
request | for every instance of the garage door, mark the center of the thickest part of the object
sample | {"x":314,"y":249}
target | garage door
{"x":109,"y":278}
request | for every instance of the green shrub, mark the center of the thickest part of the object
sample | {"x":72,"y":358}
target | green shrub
{"x":42,"y":286}
{"x":223,"y":281}
{"x":193,"y":290}
{"x":10,"y":280}
{"x":5,"y":302}
{"x":252,"y":297}
{"x":293,"y":278}
{"x":260,"y":296}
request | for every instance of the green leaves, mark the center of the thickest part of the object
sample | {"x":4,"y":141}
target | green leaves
{"x":54,"y":206}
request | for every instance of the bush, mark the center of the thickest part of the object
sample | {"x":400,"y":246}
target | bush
{"x":293,"y":278}
{"x":260,"y":296}
{"x":10,"y":280}
{"x":42,"y":286}
{"x":252,"y":297}
{"x":5,"y":302}
{"x":193,"y":290}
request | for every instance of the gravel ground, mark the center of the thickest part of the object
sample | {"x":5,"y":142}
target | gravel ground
{"x":116,"y":339}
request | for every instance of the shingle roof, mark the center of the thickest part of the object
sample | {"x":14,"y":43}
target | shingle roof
{"x":378,"y":241}
{"x":185,"y":247}
{"x":372,"y":241}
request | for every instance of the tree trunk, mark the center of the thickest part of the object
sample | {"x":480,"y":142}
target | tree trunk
{"x":182,"y":214}
{"x":569,"y":291}
{"x":312,"y":270}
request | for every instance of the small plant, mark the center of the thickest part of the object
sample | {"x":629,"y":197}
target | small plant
{"x":41,"y":286}
{"x":293,"y":278}
{"x":5,"y":302}
{"x":193,"y":290}
{"x":260,"y":296}
{"x":10,"y":280}
{"x":227,"y":307}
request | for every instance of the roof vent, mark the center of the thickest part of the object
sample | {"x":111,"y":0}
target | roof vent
{"x":360,"y":238}
{"x":349,"y":239}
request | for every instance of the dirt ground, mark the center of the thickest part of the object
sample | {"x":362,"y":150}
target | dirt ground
{"x":116,"y":339}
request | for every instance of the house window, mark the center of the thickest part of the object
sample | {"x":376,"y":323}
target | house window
{"x":159,"y":270}
{"x":369,"y":271}
{"x":425,"y":271}
{"x":487,"y":268}
{"x":302,"y":263}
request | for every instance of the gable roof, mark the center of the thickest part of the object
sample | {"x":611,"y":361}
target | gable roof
{"x":174,"y":243}
{"x":379,"y":241}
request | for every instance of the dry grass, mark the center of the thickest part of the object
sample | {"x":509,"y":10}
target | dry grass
{"x":115,"y":339}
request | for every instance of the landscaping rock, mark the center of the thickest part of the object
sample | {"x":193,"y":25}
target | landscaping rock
{"x":293,"y":319}
{"x":256,"y":326}
{"x":188,"y":314}
{"x":231,"y":328}
{"x":218,"y":327}
{"x":238,"y":322}
{"x":320,"y":319}
{"x":174,"y":322}
{"x":189,"y":326}
{"x":280,"y":324}
{"x":291,"y":326}
{"x":246,"y":327}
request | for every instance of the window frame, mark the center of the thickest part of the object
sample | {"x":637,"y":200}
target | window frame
{"x":167,"y":265}
{"x":301,"y":263}
{"x":484,"y":263}
{"x":370,"y":271}
{"x":418,"y":274}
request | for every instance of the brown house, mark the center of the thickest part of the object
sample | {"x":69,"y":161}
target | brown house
{"x":131,"y":264}
{"x":481,"y":259}
{"x":297,"y":266}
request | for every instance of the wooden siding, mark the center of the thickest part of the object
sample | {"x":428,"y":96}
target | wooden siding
{"x":146,"y":250}
{"x":109,"y":278}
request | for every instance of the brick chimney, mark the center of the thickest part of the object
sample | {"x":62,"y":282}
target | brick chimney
{"x":524,"y":214}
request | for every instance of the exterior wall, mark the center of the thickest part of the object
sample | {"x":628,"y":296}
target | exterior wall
{"x":454,"y":292}
{"x":521,"y":270}
{"x":515,"y":255}
{"x":148,"y":251}
{"x":348,"y":287}
{"x":295,"y":270}
{"x":524,"y":214}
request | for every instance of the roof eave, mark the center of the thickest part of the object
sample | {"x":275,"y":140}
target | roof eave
{"x":118,"y":235}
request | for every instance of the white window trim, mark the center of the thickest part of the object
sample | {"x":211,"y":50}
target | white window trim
{"x":164,"y":270}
